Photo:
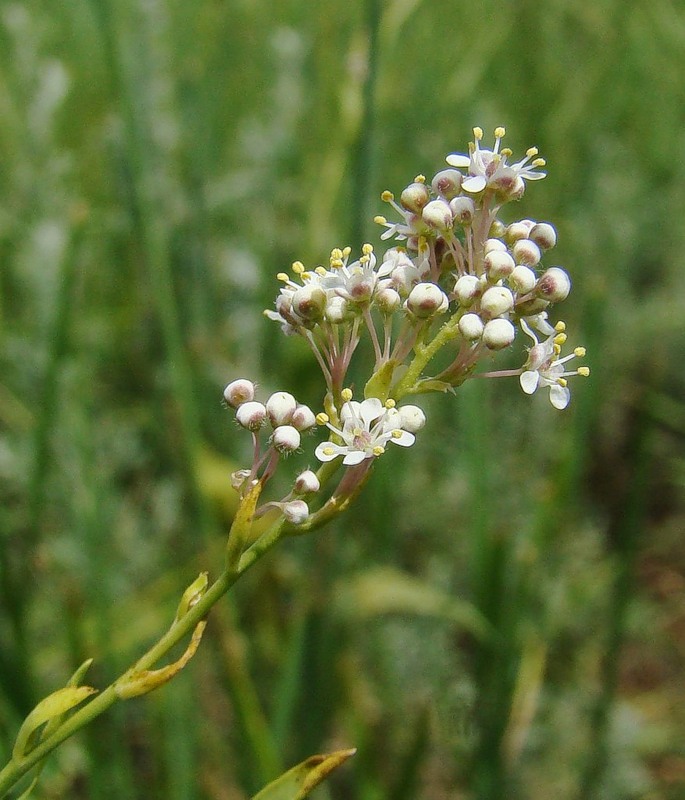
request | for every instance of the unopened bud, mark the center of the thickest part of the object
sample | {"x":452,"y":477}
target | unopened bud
{"x":412,"y":418}
{"x":463,"y":209}
{"x":295,"y":511}
{"x":498,"y":264}
{"x":544,"y":235}
{"x":522,"y":279}
{"x":307,"y":482}
{"x":496,"y":300}
{"x":337,"y":310}
{"x":466,"y":289}
{"x":494,"y":244}
{"x":388,"y":300}
{"x":526,"y":252}
{"x":286,"y":439}
{"x":415,"y":197}
{"x":437,"y":215}
{"x":554,"y":285}
{"x":447,"y":182}
{"x":309,"y":302}
{"x":239,"y":391}
{"x":471,"y":327}
{"x":251,"y":415}
{"x":518,"y":230}
{"x":427,"y":299}
{"x":303,"y":418}
{"x":280,"y":407}
{"x":498,"y":334}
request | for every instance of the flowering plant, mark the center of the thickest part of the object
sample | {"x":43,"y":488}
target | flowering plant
{"x":456,"y":287}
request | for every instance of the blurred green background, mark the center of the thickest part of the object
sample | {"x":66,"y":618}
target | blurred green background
{"x":160,"y":161}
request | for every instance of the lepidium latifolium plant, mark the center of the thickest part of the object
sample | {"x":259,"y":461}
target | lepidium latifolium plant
{"x":456,"y":286}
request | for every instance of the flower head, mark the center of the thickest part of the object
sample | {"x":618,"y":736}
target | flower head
{"x":366,"y":428}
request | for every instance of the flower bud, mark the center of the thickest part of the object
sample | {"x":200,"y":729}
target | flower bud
{"x":498,"y":264}
{"x":518,"y":230}
{"x":471,"y":327}
{"x":309,"y":302}
{"x":239,"y":391}
{"x":295,"y":511}
{"x":497,"y":229}
{"x":554,"y":285}
{"x":494,"y":244}
{"x":427,"y":299}
{"x":522,"y":279}
{"x":467,"y":289}
{"x":544,"y":235}
{"x":496,"y":300}
{"x":415,"y":197}
{"x":526,"y":252}
{"x":303,"y":418}
{"x":307,"y":482}
{"x":388,"y":300}
{"x":412,"y":418}
{"x":437,"y":215}
{"x":280,"y":407}
{"x":463,"y":209}
{"x":404,"y":277}
{"x":498,"y":334}
{"x":286,"y":439}
{"x":251,"y":415}
{"x":337,"y":310}
{"x":447,"y":182}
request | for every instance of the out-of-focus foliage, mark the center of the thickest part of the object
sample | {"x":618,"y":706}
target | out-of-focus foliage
{"x":160,"y":161}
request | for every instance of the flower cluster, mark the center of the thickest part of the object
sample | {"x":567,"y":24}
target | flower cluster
{"x":456,"y":286}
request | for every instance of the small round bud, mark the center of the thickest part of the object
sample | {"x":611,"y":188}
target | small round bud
{"x":522,"y":280}
{"x":307,"y":482}
{"x":447,"y":182}
{"x":554,"y":285}
{"x":518,"y":230}
{"x":412,"y":418}
{"x":463,"y":209}
{"x":280,"y":407}
{"x":526,"y":252}
{"x":303,"y":418}
{"x":337,"y":310}
{"x":498,"y":264}
{"x":286,"y":439}
{"x":427,"y":299}
{"x":404,"y":277}
{"x":466,"y":289}
{"x":251,"y":415}
{"x":388,"y":300}
{"x":496,"y":300}
{"x":544,"y":235}
{"x":295,"y":511}
{"x":437,"y":215}
{"x":415,"y":197}
{"x":309,"y":302}
{"x":471,"y":327}
{"x":239,"y":391}
{"x":498,"y":334}
{"x":497,"y":229}
{"x":494,"y":244}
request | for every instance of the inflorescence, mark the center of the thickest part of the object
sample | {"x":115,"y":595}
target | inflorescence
{"x":458,"y":286}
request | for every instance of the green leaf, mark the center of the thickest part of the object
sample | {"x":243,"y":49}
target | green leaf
{"x":191,"y":595}
{"x":239,"y":535}
{"x":296,"y":783}
{"x":54,"y":705}
{"x":386,"y":590}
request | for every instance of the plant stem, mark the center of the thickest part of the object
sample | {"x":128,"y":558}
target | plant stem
{"x":424,"y":354}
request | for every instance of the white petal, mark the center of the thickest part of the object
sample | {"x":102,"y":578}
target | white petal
{"x":559,"y":396}
{"x":405,"y":439}
{"x":355,"y":457}
{"x":529,"y":381}
{"x":458,"y":160}
{"x":533,"y":176}
{"x":323,"y":451}
{"x":370,"y":409}
{"x":474,"y":184}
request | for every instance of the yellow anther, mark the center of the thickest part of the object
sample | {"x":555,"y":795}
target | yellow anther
{"x":420,"y":179}
{"x":500,"y":132}
{"x":387,"y":197}
{"x":328,"y":451}
{"x":380,"y":220}
{"x":364,"y":259}
{"x":378,"y":450}
{"x":584,"y":371}
{"x":478,"y":133}
{"x":367,"y":249}
{"x":556,"y":349}
{"x":298,"y":267}
{"x":322,"y":418}
{"x":538,"y":162}
{"x":560,"y":339}
{"x":532,"y":151}
{"x":283,"y":276}
{"x":562,"y":382}
{"x":579,"y":351}
{"x":320,"y":271}
{"x":336,"y":253}
{"x":423,"y":244}
{"x":506,"y":151}
{"x":305,"y":275}
{"x":346,"y":395}
{"x":560,"y":326}
{"x":396,"y":434}
{"x":346,"y":251}
{"x":390,"y":403}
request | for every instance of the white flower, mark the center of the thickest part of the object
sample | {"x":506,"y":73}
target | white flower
{"x":366,"y":428}
{"x":490,"y":168}
{"x":545,"y":368}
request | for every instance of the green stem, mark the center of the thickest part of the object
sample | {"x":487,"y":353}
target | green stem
{"x":14,"y":770}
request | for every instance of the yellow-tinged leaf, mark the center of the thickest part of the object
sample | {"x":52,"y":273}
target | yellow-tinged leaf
{"x":191,"y":595}
{"x":54,"y":705}
{"x":135,"y":683}
{"x":379,"y":383}
{"x":239,"y":535}
{"x":298,"y":782}
{"x":386,"y":590}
